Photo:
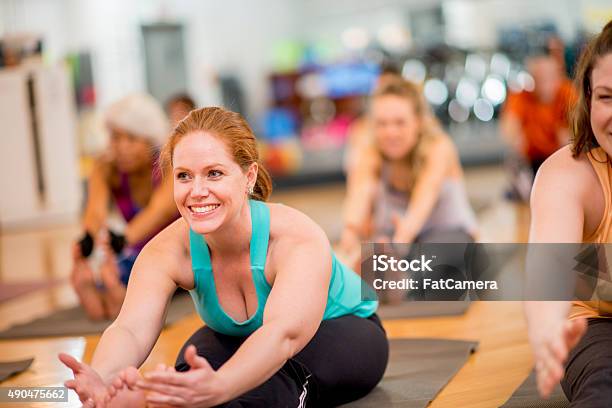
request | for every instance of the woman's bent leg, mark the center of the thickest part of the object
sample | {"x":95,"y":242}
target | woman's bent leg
{"x":346,"y":359}
{"x":281,"y":390}
{"x":588,"y":372}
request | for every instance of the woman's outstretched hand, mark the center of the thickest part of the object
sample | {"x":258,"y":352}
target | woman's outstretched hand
{"x":201,"y":386}
{"x":551,"y":346}
{"x":87,"y":383}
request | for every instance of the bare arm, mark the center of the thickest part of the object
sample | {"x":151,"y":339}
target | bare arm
{"x":426,"y":190}
{"x":557,"y":216}
{"x":293,"y":311}
{"x":129,"y":340}
{"x":361,"y":188}
{"x":98,"y":193}
{"x":557,"y":211}
{"x":160,"y":209}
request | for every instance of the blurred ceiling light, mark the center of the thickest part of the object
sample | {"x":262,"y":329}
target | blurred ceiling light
{"x":435,"y":91}
{"x":311,"y":86}
{"x":414,"y":70}
{"x":526,"y":81}
{"x":483,"y":109}
{"x":513,"y":83}
{"x":467,"y":92}
{"x":453,"y":73}
{"x":457,"y":111}
{"x":494,"y":89}
{"x":500,"y":65}
{"x":394,"y":38}
{"x":355,"y":38}
{"x":476,"y":66}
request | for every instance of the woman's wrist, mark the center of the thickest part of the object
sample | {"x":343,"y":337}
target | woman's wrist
{"x":223,"y":389}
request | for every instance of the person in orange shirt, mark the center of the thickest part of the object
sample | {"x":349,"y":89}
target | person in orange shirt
{"x":535,"y":123}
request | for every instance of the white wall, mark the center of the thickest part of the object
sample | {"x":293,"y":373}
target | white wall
{"x":473,"y":24}
{"x":233,"y":35}
{"x":238,"y":35}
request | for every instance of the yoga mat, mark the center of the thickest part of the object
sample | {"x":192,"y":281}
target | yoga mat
{"x":12,"y":290}
{"x":10,"y":368}
{"x":74,"y":322}
{"x":526,"y":396}
{"x":418,"y":369}
{"x":418,"y":309}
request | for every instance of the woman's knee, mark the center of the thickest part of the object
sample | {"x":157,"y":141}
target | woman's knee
{"x":216,"y":348}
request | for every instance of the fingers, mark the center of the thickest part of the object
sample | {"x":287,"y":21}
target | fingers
{"x":71,"y":384}
{"x":115,"y":385}
{"x":130,"y":376}
{"x":70,"y":362}
{"x":161,"y":388}
{"x":161,"y":399}
{"x":167,"y":377}
{"x":549,"y":365}
{"x":195,"y":361}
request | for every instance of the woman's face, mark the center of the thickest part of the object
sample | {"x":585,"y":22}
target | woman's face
{"x":130,"y":152}
{"x":210,"y":188}
{"x":396,"y":125}
{"x":601,"y":102}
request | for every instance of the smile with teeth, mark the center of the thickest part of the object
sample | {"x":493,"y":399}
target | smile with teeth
{"x":203,"y":209}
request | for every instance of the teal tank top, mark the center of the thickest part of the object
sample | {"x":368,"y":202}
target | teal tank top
{"x":344,"y":296}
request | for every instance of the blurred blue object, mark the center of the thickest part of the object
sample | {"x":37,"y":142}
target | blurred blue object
{"x":350,"y":79}
{"x":279,"y":124}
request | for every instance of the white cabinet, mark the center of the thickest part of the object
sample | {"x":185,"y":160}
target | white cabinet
{"x":39,"y":177}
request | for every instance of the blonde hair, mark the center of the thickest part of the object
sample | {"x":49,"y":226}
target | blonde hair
{"x":429,"y":126}
{"x":236,"y":134}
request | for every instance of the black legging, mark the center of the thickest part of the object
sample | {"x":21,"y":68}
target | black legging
{"x":588,"y":371}
{"x":344,"y":361}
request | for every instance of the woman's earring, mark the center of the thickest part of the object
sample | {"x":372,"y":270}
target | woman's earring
{"x":250,"y":190}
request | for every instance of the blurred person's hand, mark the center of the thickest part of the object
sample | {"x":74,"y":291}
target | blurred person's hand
{"x":85,"y":245}
{"x":551,"y":341}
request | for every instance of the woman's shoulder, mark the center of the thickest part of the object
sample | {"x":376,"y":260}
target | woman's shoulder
{"x":174,"y":236}
{"x":439,"y":147}
{"x":289,"y":223}
{"x":565,"y":171}
{"x":563,"y":163}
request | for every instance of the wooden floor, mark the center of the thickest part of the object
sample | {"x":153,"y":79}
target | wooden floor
{"x":501,"y":363}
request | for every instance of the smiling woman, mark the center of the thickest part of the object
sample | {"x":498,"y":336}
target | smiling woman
{"x":279,"y":308}
{"x":409,"y":184}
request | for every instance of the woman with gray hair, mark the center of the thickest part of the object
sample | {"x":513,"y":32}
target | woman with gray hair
{"x":126,"y":176}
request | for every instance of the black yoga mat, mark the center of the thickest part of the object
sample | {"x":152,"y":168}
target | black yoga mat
{"x":418,"y":369}
{"x":418,"y":309}
{"x":10,"y":368}
{"x":526,"y":396}
{"x":74,"y":322}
